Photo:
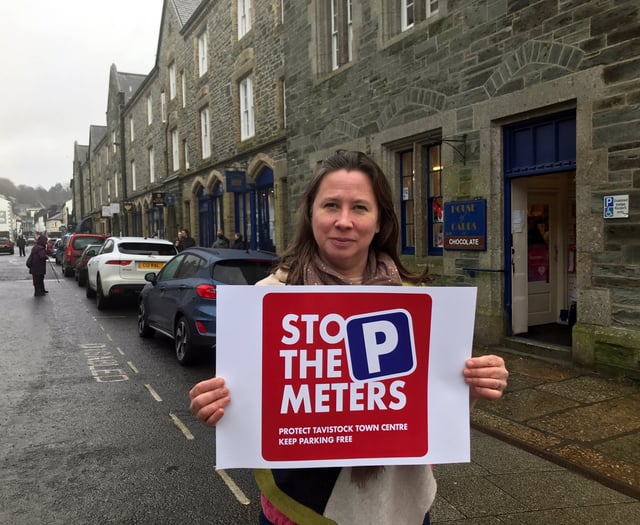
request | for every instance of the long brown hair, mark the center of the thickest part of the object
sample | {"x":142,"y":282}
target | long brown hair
{"x":304,"y":248}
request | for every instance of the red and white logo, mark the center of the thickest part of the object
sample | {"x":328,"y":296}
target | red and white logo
{"x":344,"y":376}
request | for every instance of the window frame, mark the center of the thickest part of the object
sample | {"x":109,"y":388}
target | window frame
{"x":244,"y":9}
{"x":172,"y":81}
{"x":247,"y":114}
{"x":175,"y":150}
{"x":149,"y":109}
{"x":133,"y":175}
{"x":205,"y":133}
{"x":152,"y":164}
{"x":432,"y":199}
{"x":203,"y":52}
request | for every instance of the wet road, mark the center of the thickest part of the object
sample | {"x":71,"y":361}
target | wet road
{"x":94,"y":421}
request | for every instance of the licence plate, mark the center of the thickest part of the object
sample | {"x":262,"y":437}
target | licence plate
{"x":150,"y":265}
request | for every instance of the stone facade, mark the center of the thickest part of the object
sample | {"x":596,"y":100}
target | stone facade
{"x":460,"y":78}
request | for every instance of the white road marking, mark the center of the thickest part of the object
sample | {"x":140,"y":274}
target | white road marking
{"x":153,"y":393}
{"x":109,"y":337}
{"x":237,"y":492}
{"x":183,"y":428}
{"x":132,"y":366}
{"x":119,"y":350}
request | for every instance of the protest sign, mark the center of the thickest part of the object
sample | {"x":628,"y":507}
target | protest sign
{"x":328,"y":376}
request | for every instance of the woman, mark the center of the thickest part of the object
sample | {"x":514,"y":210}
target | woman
{"x":38,"y":267}
{"x":347,"y":233}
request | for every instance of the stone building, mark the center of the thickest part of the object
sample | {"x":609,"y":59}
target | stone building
{"x":510,"y":133}
{"x":204,"y":133}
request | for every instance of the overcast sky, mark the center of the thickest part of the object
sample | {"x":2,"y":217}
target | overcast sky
{"x":56,"y":58}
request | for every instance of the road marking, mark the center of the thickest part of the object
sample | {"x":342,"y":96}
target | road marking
{"x":109,"y":337}
{"x":119,"y":350}
{"x":183,"y":428}
{"x":237,"y":492}
{"x":153,"y":393}
{"x":132,"y":366}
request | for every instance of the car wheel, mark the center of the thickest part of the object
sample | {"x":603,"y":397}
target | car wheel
{"x":68,"y":272}
{"x":144,"y":330}
{"x":101,"y":300}
{"x":185,"y":351}
{"x":82,"y":280}
{"x":90,"y":293}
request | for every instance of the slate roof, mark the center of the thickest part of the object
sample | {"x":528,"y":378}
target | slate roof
{"x":96,"y":134}
{"x":185,"y":9}
{"x":128,"y":83}
{"x":80,"y":153}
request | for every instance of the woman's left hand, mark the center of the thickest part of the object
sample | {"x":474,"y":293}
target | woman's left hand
{"x":486,"y":376}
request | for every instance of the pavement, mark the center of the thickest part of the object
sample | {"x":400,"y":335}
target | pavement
{"x":561,"y":447}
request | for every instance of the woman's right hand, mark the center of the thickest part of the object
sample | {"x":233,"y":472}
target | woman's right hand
{"x":208,"y":400}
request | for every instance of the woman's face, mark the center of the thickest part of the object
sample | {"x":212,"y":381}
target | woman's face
{"x":344,"y":218}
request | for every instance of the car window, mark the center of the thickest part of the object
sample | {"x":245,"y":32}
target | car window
{"x":170,"y":268}
{"x":80,"y":243}
{"x":146,"y":248}
{"x":107,"y":247}
{"x":190,"y":266}
{"x":241,"y":272}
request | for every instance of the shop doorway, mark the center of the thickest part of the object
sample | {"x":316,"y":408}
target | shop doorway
{"x":543,"y":257}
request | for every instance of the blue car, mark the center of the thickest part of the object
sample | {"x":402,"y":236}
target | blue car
{"x":180,"y":301}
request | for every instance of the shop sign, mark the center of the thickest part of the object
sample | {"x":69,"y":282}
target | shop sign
{"x":115,"y":208}
{"x":157,"y":198}
{"x":106,"y":211}
{"x":465,"y":225}
{"x":127,"y":205}
{"x":169,"y":199}
{"x":236,"y":181}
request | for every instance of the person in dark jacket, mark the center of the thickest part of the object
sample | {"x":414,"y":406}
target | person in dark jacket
{"x":238,"y":243}
{"x":38,"y":267}
{"x":21,"y":242}
{"x":221,"y":241}
{"x":187,"y":240}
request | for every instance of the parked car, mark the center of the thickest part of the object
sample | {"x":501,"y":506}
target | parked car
{"x":6,"y":246}
{"x":73,"y":246}
{"x":180,"y":301}
{"x":81,"y":266}
{"x":119,"y":268}
{"x":58,"y":251}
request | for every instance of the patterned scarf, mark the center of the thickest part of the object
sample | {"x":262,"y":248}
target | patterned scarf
{"x":380,"y":271}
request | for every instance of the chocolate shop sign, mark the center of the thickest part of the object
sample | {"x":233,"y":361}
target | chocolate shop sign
{"x":465,"y":225}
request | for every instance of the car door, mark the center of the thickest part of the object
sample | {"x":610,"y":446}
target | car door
{"x":94,"y":262}
{"x":157,"y":304}
{"x":178,"y":291}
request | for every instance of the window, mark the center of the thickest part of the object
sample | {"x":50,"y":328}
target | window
{"x":407,"y":13}
{"x":149,"y":109}
{"x":434,"y":201}
{"x":247,"y":129}
{"x":172,"y":81}
{"x":163,"y":107}
{"x":131,"y":133}
{"x":115,"y":186}
{"x":407,"y":203}
{"x":175,"y":150}
{"x":244,"y":17}
{"x":283,"y":102}
{"x":152,"y":167}
{"x":432,"y":7}
{"x":204,"y":133}
{"x":114,"y":142}
{"x":185,"y":152}
{"x":133,"y":175}
{"x":202,"y":53}
{"x":335,"y":34}
{"x":183,"y":84}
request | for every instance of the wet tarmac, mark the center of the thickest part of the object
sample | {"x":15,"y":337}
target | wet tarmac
{"x":580,"y":420}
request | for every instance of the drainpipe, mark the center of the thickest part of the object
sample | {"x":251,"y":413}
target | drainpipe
{"x":123,"y":166}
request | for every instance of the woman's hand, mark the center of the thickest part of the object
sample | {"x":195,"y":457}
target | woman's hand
{"x":486,"y":376}
{"x":208,"y":400}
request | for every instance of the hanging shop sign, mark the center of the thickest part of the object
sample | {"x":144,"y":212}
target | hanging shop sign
{"x":465,"y":225}
{"x":106,"y":211}
{"x":169,"y":199}
{"x":127,"y":205}
{"x":236,"y":181}
{"x":157,"y":198}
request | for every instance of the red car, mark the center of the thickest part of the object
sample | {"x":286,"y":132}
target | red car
{"x":75,"y":245}
{"x":6,"y":246}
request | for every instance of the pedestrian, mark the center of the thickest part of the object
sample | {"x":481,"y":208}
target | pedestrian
{"x":22,"y":243}
{"x":187,"y":240}
{"x":221,"y":241}
{"x":38,"y":267}
{"x":178,"y":242}
{"x":238,"y":243}
{"x":347,"y":233}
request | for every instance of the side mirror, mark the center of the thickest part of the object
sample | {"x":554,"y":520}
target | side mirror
{"x":151,"y":277}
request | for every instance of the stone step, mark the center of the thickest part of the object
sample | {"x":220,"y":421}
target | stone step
{"x":540,"y":350}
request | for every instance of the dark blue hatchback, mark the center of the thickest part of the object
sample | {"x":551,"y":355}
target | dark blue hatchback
{"x":180,"y":301}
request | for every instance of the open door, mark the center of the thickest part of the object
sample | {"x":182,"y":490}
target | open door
{"x":519,"y":288}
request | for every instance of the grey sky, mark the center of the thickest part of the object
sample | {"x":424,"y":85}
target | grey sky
{"x":56,"y":60}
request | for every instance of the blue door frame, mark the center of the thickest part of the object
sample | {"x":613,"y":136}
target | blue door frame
{"x":534,"y":147}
